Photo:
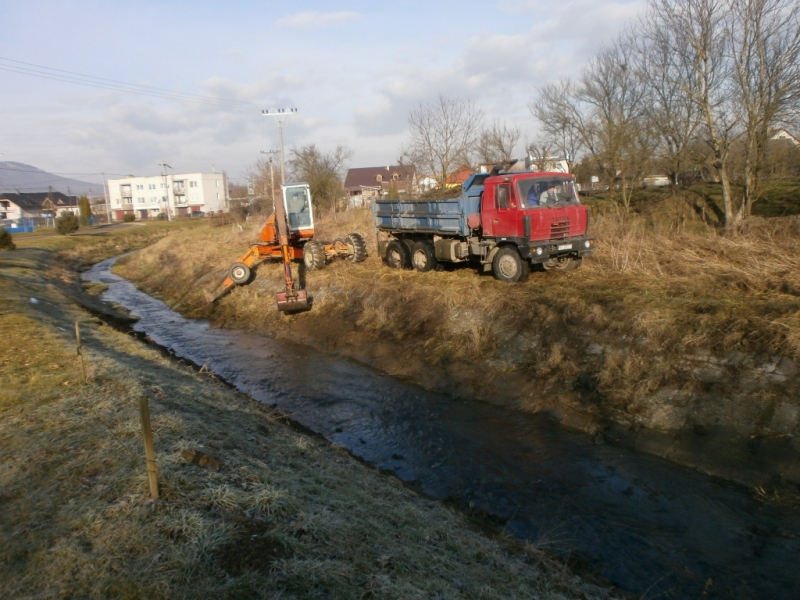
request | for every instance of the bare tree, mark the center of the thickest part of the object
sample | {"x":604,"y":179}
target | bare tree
{"x":615,"y":132}
{"x":496,"y":143}
{"x":738,"y":62}
{"x":324,"y":172}
{"x":559,"y":127}
{"x":695,"y":35}
{"x":673,"y":115}
{"x":765,"y":47}
{"x":259,"y":179}
{"x":603,"y":114}
{"x":443,"y":133}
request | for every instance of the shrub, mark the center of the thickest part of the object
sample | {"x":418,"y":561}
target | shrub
{"x":66,"y":224}
{"x":128,"y":218}
{"x":86,"y":210}
{"x":6,"y":243}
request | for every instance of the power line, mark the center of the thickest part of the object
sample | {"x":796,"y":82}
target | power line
{"x":45,"y":72}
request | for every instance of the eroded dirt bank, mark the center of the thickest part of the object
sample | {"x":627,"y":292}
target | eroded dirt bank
{"x":684,"y":353}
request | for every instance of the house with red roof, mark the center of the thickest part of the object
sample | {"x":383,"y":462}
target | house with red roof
{"x":365,"y":183}
{"x":458,"y":178}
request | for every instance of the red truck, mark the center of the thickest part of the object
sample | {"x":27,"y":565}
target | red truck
{"x":503,"y":221}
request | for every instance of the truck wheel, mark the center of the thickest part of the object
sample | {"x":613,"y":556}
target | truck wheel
{"x":358,"y":245}
{"x":508,"y":265}
{"x":422,"y":257}
{"x":239,"y":273}
{"x":397,"y":255}
{"x":313,"y":256}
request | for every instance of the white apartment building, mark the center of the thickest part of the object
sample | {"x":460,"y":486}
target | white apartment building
{"x":177,"y":195}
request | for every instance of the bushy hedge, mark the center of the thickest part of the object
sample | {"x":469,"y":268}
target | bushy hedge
{"x":128,"y":218}
{"x":66,"y":224}
{"x":6,"y":243}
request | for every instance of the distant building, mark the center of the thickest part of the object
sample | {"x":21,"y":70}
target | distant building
{"x":458,"y":178}
{"x":36,"y":205}
{"x":658,"y":180}
{"x":427,"y":183}
{"x":365,"y":183}
{"x":782,"y":134}
{"x":182,"y":195}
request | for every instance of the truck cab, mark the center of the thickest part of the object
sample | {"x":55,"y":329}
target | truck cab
{"x":538,"y":212}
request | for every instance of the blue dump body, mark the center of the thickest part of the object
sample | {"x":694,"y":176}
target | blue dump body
{"x":445,"y":217}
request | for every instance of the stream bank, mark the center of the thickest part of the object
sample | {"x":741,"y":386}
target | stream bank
{"x":677,"y":367}
{"x":644,"y":524}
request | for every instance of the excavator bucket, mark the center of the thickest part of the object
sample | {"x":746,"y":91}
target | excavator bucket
{"x":293,"y":301}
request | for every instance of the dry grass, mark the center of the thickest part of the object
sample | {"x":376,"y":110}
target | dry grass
{"x":285,"y":515}
{"x":662,"y":289}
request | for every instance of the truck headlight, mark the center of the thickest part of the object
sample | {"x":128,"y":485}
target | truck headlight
{"x":539,"y":252}
{"x":587,"y":243}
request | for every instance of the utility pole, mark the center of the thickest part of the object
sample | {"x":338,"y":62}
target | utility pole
{"x":165,"y":166}
{"x":271,"y":154}
{"x":279,"y":115}
{"x":108,"y":201}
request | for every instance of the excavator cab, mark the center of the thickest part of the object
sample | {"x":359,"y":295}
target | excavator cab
{"x":299,"y":212}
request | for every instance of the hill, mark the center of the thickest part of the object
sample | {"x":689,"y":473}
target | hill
{"x":16,"y":176}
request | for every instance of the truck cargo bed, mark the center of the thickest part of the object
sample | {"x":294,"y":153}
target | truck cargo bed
{"x":447,"y":217}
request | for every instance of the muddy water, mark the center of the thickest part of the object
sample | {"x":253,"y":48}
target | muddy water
{"x":647,"y":526}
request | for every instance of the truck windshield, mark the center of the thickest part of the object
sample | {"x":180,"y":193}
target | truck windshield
{"x":547,"y":191}
{"x":298,"y":208}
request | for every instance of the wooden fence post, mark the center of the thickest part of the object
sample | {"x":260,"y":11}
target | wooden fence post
{"x":80,"y":350}
{"x":149,"y":450}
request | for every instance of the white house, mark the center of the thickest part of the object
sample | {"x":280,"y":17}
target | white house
{"x":174,"y":194}
{"x":34,"y":205}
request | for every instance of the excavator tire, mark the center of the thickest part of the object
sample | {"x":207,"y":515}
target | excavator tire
{"x":239,"y":273}
{"x":313,"y":256}
{"x":359,"y":246}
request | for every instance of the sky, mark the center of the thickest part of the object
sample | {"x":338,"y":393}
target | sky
{"x":205,"y":71}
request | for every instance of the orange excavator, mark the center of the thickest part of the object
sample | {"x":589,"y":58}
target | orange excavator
{"x":288,"y":235}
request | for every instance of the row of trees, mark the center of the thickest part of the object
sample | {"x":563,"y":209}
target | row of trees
{"x":692,"y":82}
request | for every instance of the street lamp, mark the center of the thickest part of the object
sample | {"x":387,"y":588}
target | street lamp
{"x":279,"y":115}
{"x":166,"y":188}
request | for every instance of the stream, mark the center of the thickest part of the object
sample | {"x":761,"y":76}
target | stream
{"x":651,"y":528}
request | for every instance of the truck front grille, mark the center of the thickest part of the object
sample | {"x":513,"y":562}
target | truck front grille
{"x":559,"y":230}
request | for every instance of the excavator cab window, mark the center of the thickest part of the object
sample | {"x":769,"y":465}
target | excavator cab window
{"x":298,"y":207}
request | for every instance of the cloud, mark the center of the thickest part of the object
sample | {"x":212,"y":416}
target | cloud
{"x":316,"y":20}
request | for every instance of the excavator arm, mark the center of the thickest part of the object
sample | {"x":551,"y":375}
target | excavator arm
{"x":241,"y":271}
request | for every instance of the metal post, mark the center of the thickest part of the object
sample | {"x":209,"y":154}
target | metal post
{"x":280,"y":133}
{"x":108,"y":200}
{"x":167,"y":188}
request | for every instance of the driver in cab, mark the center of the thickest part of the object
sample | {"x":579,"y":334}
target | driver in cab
{"x":547,"y":194}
